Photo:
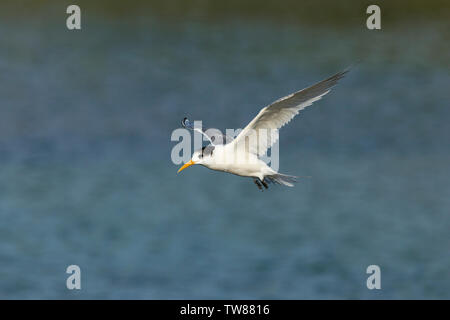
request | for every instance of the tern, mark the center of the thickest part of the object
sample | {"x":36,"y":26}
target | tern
{"x":241,"y":156}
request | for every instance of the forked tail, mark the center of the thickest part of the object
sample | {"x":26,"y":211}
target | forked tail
{"x":282,"y":179}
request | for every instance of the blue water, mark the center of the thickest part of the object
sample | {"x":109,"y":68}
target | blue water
{"x":86,"y":176}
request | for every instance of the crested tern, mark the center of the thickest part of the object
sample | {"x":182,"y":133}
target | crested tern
{"x":241,"y":156}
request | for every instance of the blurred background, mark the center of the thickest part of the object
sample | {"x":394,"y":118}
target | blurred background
{"x":86,"y":176}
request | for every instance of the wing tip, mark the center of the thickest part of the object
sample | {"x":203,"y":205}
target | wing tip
{"x":333,"y":80}
{"x":340,"y":74}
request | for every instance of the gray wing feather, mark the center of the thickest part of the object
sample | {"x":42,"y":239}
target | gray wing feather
{"x":299,"y":97}
{"x":280,"y":112}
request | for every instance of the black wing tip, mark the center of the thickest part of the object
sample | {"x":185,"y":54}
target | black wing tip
{"x":341,"y":74}
{"x":185,"y":123}
{"x":333,"y":80}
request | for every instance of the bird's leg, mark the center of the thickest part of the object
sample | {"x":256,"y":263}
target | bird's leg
{"x":264,"y":184}
{"x":257,"y":184}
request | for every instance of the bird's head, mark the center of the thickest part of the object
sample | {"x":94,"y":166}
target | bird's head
{"x":202,"y":156}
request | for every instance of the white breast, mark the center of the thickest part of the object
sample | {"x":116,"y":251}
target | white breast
{"x":234,"y":160}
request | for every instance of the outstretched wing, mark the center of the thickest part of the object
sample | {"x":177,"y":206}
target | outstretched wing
{"x":262,"y":132}
{"x":214,"y":136}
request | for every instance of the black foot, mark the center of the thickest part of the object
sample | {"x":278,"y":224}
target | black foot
{"x":256,"y":181}
{"x":264,"y":184}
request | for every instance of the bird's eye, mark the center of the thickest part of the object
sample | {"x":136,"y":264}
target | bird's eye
{"x":200,"y":156}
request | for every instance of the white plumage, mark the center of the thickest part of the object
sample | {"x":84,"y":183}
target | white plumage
{"x":241,"y":156}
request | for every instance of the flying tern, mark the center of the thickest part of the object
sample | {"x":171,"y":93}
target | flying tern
{"x":241,"y":156}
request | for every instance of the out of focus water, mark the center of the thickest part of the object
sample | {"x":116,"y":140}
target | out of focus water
{"x":86,"y":176}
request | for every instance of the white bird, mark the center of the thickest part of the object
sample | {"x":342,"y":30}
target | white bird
{"x":241,"y":155}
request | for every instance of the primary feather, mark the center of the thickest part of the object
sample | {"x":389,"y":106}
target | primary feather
{"x":262,"y":132}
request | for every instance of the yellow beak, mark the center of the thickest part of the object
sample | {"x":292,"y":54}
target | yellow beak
{"x":187,"y":164}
